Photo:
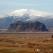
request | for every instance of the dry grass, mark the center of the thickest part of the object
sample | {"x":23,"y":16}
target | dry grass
{"x":26,"y":43}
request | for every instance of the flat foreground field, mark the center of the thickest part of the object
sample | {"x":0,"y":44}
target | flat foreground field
{"x":26,"y":43}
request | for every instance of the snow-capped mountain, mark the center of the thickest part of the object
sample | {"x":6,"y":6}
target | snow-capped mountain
{"x":26,"y":15}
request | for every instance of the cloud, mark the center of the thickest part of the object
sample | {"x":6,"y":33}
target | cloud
{"x":21,"y":12}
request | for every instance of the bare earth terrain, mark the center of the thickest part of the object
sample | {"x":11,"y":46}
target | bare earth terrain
{"x":26,"y":42}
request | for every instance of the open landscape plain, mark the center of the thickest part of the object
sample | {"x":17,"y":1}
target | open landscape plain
{"x":36,"y":42}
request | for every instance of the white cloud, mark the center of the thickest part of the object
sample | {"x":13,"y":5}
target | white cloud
{"x":21,"y":12}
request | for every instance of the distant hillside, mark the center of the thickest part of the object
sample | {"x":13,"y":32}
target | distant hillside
{"x":26,"y":20}
{"x":20,"y":26}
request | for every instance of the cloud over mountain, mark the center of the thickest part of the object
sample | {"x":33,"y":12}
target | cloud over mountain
{"x":26,"y":20}
{"x":24,"y":16}
{"x":31,"y":12}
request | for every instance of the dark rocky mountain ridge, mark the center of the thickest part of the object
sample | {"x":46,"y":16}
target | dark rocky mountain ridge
{"x":21,"y":26}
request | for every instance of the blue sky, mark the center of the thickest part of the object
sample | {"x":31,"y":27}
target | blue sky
{"x":10,"y":5}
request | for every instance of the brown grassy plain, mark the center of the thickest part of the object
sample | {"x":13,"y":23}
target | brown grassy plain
{"x":26,"y":42}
